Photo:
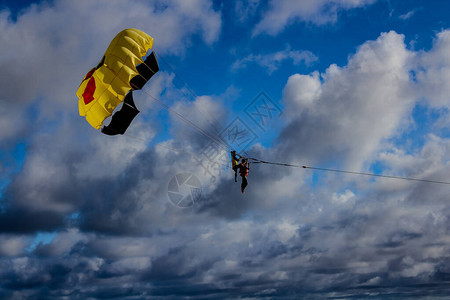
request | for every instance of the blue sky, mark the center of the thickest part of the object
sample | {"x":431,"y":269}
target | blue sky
{"x":359,"y":85}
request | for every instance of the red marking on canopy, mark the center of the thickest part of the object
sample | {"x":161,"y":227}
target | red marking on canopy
{"x":88,"y":94}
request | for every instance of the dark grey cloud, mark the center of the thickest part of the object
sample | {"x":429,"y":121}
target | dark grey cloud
{"x":22,"y":220}
{"x":295,"y":233}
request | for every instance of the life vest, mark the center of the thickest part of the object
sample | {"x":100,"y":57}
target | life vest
{"x":243,"y":170}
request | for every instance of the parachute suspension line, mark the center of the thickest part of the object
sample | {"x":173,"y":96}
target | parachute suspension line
{"x":130,"y":106}
{"x":256,"y":161}
{"x":192,"y":92}
{"x":187,"y":121}
{"x":216,"y":139}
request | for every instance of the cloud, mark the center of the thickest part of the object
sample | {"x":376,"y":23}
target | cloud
{"x":189,"y":119}
{"x":409,"y":14}
{"x":349,"y":110}
{"x":432,"y":70}
{"x":35,"y":48}
{"x":295,"y":232}
{"x":272,"y":61}
{"x":284,"y":13}
{"x":13,"y":245}
{"x":46,"y":56}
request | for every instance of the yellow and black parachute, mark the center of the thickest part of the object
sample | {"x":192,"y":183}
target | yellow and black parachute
{"x":121,"y":70}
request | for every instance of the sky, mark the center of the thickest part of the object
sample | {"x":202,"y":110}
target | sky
{"x":355,"y":85}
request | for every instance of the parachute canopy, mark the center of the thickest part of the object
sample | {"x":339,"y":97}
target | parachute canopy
{"x":121,"y":70}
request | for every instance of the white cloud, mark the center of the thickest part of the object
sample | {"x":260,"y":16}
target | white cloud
{"x":273,"y":61}
{"x":45,"y":53}
{"x":430,"y":162}
{"x":315,"y":229}
{"x":409,"y":14}
{"x":13,"y":245}
{"x":283,"y":13}
{"x":343,"y":198}
{"x":432,"y":71}
{"x":303,"y":90}
{"x":349,"y":110}
{"x":63,"y":243}
{"x":45,"y":56}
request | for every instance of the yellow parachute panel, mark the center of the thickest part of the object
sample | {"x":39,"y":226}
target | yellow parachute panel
{"x":121,"y":70}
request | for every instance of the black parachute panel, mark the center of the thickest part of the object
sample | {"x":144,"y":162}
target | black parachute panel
{"x":146,"y":71}
{"x":122,"y":118}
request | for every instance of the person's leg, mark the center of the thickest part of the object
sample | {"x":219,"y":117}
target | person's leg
{"x":244,"y":184}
